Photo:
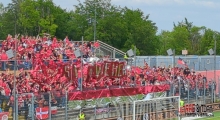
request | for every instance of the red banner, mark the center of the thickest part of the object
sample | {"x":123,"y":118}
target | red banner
{"x":96,"y":71}
{"x":93,"y":94}
{"x":89,"y":73}
{"x":4,"y":115}
{"x":74,"y":72}
{"x":120,"y":70}
{"x":108,"y":69}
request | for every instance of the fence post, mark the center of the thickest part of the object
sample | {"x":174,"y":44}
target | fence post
{"x":218,"y":87}
{"x":95,"y":111}
{"x":188,"y":91}
{"x":109,"y":110}
{"x":212,"y":92}
{"x":95,"y":107}
{"x":49,"y":105}
{"x":32,"y":106}
{"x":66,"y":112}
{"x":156,"y":110}
{"x":204,"y":90}
{"x":179,"y":80}
{"x":16,"y":107}
{"x":196,"y":92}
{"x":114,"y":53}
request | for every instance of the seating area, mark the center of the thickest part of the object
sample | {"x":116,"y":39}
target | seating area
{"x":48,"y":65}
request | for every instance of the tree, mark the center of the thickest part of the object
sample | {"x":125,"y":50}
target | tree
{"x":1,"y":18}
{"x":185,"y":36}
{"x":207,"y":42}
{"x":122,"y":28}
{"x":165,"y":40}
{"x":141,"y":32}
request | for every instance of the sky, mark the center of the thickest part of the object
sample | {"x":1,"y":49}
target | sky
{"x":166,"y":12}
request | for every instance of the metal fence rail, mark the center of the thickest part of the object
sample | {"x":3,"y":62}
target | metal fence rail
{"x":59,"y":107}
{"x":198,"y":63}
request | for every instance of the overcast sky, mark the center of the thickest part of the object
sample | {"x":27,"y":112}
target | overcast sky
{"x":165,"y":12}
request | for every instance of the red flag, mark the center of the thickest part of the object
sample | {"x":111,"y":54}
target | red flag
{"x":42,"y":113}
{"x":96,"y":45}
{"x":137,"y":70}
{"x":4,"y":115}
{"x":63,"y":79}
{"x":71,"y":88}
{"x":181,"y":62}
{"x":54,"y":110}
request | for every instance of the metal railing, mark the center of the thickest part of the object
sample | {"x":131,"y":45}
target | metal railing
{"x":59,"y":107}
{"x":109,"y":47}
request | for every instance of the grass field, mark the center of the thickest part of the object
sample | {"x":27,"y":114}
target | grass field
{"x":216,"y":117}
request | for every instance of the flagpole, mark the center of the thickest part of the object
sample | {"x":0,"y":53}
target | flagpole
{"x":95,"y":25}
{"x":49,"y":105}
{"x":81,"y":67}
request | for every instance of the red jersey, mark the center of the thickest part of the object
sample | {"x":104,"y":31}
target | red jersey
{"x":4,"y":56}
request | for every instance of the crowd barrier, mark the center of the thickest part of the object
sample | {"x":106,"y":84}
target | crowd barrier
{"x":57,"y":106}
{"x":59,"y":102}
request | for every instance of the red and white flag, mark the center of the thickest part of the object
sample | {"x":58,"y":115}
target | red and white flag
{"x":181,"y":62}
{"x":4,"y":115}
{"x":42,"y":113}
{"x":54,"y":110}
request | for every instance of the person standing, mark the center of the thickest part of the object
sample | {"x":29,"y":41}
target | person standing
{"x":4,"y":58}
{"x":63,"y":97}
{"x":82,"y":116}
{"x":181,"y":103}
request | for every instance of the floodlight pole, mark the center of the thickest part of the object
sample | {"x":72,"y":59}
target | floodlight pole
{"x":215,"y":67}
{"x":173,"y":58}
{"x":204,"y":81}
{"x":81,"y":67}
{"x":135,"y":56}
{"x":179,"y":80}
{"x":173,"y":70}
{"x":95,"y":24}
{"x":14,"y":82}
{"x":134,"y":64}
{"x":188,"y":91}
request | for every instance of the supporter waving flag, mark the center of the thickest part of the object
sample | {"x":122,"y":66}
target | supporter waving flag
{"x":181,"y":62}
{"x":42,"y":113}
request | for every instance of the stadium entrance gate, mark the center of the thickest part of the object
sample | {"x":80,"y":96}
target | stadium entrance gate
{"x":156,"y":108}
{"x":25,"y":106}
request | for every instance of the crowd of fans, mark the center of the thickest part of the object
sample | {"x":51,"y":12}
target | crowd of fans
{"x":36,"y":60}
{"x":182,"y":81}
{"x":38,"y":64}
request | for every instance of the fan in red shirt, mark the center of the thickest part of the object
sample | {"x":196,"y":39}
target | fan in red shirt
{"x":4,"y":58}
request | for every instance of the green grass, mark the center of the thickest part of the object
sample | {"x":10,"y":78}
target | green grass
{"x":172,"y":119}
{"x":216,"y":117}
